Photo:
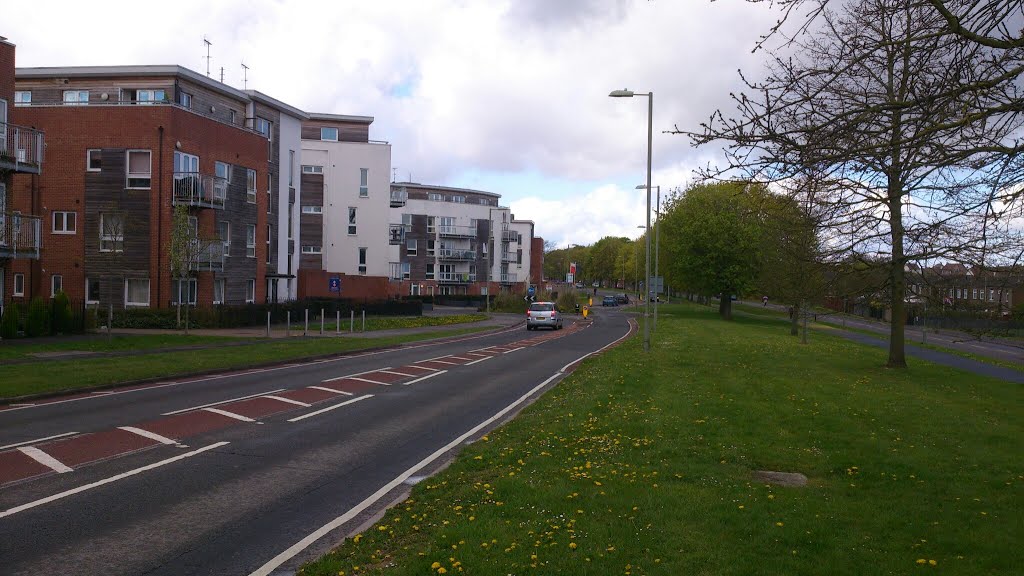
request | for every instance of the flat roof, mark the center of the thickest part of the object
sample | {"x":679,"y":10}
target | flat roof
{"x":270,"y":101}
{"x":445,"y":188}
{"x":340,"y":118}
{"x":128,"y":72}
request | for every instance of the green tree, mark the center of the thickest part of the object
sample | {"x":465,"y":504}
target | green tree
{"x":38,"y":321}
{"x":604,"y":259}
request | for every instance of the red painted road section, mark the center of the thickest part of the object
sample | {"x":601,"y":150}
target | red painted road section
{"x":79,"y":450}
{"x":14,"y":466}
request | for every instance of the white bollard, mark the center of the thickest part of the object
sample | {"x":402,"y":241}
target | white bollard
{"x":352,"y":321}
{"x":288,"y":324}
{"x":321,"y":321}
{"x":268,"y":323}
{"x":337,"y":322}
{"x":305,"y":328}
{"x":364,"y":320}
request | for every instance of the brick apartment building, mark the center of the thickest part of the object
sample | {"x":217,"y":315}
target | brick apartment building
{"x":131,"y":144}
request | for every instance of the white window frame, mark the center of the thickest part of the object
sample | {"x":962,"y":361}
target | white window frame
{"x":219,"y":285}
{"x":431,"y":248}
{"x":352,"y":221}
{"x":291,"y":168}
{"x":336,"y":134}
{"x":185,"y":99}
{"x":77,"y":100}
{"x":250,"y":185}
{"x":459,"y":199}
{"x":431,"y":224}
{"x":269,"y":236}
{"x":226,"y":241}
{"x":19,"y":284}
{"x":89,"y":158}
{"x":406,"y":270}
{"x":364,"y":186}
{"x":117,"y":243}
{"x":95,"y":300}
{"x":127,"y":292}
{"x":20,"y":97}
{"x":312,"y":209}
{"x":250,"y":291}
{"x":250,"y":240}
{"x":129,"y":176}
{"x":193,"y":290}
{"x":56,"y":284}
{"x":310,"y":169}
{"x":363,"y":257}
{"x":64,"y":217}
{"x":218,"y":166}
{"x":411,"y":247}
{"x":153,"y":96}
{"x":312,"y":249}
{"x":430,"y":271}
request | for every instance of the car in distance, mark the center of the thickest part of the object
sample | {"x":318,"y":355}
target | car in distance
{"x":543,"y":314}
{"x":622,"y":299}
{"x":609,"y":301}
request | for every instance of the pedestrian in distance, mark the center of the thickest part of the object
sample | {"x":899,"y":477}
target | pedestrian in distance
{"x":764,"y":301}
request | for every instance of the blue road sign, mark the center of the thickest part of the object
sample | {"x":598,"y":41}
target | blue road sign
{"x":531,"y":291}
{"x":334,"y":284}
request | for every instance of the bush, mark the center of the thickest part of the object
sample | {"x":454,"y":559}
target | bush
{"x":63,"y":321}
{"x":10,"y":322}
{"x":38,"y":321}
{"x":509,"y":302}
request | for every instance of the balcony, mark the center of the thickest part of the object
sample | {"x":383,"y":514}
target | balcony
{"x":508,"y":257}
{"x":21,"y":149}
{"x":399,"y":198}
{"x":20,"y":235}
{"x":508,"y":278}
{"x":456,"y":278}
{"x":209,"y":256}
{"x":460,"y":255}
{"x":199,"y":190}
{"x":457,"y":231}
{"x":509,"y":236}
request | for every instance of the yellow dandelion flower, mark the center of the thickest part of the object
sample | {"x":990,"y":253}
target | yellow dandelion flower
{"x":572,"y":545}
{"x":921,"y":561}
{"x":932,"y":562}
{"x":441,"y":570}
{"x":778,"y":524}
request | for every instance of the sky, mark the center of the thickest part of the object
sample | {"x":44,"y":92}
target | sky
{"x":507,"y":96}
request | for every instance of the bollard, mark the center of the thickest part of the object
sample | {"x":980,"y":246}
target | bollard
{"x":268,"y":323}
{"x":352,"y":321}
{"x":305,"y":327}
{"x":337,"y":322}
{"x":321,"y":321}
{"x":364,"y":320}
{"x":288,"y":324}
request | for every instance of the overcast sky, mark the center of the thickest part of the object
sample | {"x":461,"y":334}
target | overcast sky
{"x":505,"y":96}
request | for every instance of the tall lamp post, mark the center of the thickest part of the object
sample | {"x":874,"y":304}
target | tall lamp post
{"x":650,"y":140}
{"x":657,"y":246}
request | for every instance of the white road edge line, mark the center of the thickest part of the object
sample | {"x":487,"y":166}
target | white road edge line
{"x":66,"y":493}
{"x":44,"y":459}
{"x":479,"y":361}
{"x":422,"y":378}
{"x":288,"y":401}
{"x":148,"y":434}
{"x":37,"y":440}
{"x":326,"y":389}
{"x":230,"y":414}
{"x":329,"y":408}
{"x":512,"y":350}
{"x":220,"y":402}
{"x":356,"y":374}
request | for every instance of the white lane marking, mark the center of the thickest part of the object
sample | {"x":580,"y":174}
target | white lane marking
{"x":326,"y":389}
{"x":603,"y":348}
{"x":44,"y":459}
{"x":229,"y":414}
{"x":104,"y":392}
{"x":367,"y":380}
{"x":148,"y":434}
{"x":423,"y":368}
{"x":442,"y":362}
{"x":479,"y":361}
{"x":329,"y":408}
{"x":37,"y":440}
{"x":477,"y":354}
{"x":422,"y":378}
{"x":288,"y":401}
{"x":22,"y":405}
{"x":356,"y":374}
{"x":66,"y":493}
{"x":460,"y":358}
{"x":221,"y":402}
{"x":396,"y":373}
{"x":511,"y":351}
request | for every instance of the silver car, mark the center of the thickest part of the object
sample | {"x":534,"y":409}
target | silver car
{"x":543,"y":314}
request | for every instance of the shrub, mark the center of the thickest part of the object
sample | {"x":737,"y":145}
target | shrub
{"x":10,"y":322}
{"x":63,"y":322}
{"x":38,"y":321}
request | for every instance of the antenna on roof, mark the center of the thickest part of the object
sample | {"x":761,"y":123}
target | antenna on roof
{"x":208,"y":44}
{"x":245,"y":76}
{"x":221,"y":74}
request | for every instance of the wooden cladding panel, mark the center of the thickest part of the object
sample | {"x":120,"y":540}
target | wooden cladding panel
{"x":346,"y":132}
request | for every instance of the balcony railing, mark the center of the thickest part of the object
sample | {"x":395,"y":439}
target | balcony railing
{"x":509,"y":235}
{"x":508,"y":278}
{"x":399,"y":198}
{"x":457,"y":254}
{"x":20,"y":235}
{"x":457,"y":231}
{"x":456,"y":277}
{"x":508,"y":257}
{"x":21,"y":149}
{"x":209,"y":256}
{"x":200,"y":190}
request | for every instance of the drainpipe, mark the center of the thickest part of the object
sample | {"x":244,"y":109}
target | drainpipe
{"x":159,"y":213}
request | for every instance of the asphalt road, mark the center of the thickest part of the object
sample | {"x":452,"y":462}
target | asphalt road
{"x":257,"y":472}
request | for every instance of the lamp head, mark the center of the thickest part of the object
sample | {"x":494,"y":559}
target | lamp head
{"x":621,"y":93}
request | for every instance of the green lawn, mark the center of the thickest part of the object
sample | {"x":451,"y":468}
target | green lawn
{"x":68,"y":375}
{"x":641,"y":464}
{"x":98,"y":343}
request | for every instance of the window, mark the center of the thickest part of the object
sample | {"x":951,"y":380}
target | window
{"x":136,"y":292}
{"x":329,"y":134}
{"x":250,"y":291}
{"x":139,"y":169}
{"x":430,"y":248}
{"x":485,"y":201}
{"x":269,"y":236}
{"x":64,"y":222}
{"x":351,"y":221}
{"x":111,"y":233}
{"x":975,"y":294}
{"x":312,"y":249}
{"x":232,"y":116}
{"x":364,"y":177}
{"x":434,"y":196}
{"x":22,"y":97}
{"x":362,"y":260}
{"x":250,"y":240}
{"x":430,"y":271}
{"x":250,"y":185}
{"x":291,"y":167}
{"x":56,"y":284}
{"x":405,"y":270}
{"x":224,"y":232}
{"x":179,"y":288}
{"x":218,"y":291}
{"x":265,"y":127}
{"x":459,"y":199}
{"x":430,"y":224}
{"x":185,"y":99}
{"x":991,"y":295}
{"x":19,"y":284}
{"x":407,"y":221}
{"x":410,"y":247}
{"x":76,"y":97}
{"x":312,"y":169}
{"x":312,"y":209}
{"x":222,"y":170}
{"x":149,"y":96}
{"x":93,"y":160}
{"x":92,"y":291}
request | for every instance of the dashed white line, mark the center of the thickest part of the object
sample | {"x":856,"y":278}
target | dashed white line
{"x":356,"y":374}
{"x":37,"y":440}
{"x":44,"y":459}
{"x":396,"y":373}
{"x":288,"y":401}
{"x":367,"y":380}
{"x":479,"y":361}
{"x":148,"y":434}
{"x":230,"y":414}
{"x":221,"y":402}
{"x":511,"y":351}
{"x":442,"y":362}
{"x":459,"y":358}
{"x":329,"y":408}
{"x":326,"y":389}
{"x":422,"y":378}
{"x":424,"y":368}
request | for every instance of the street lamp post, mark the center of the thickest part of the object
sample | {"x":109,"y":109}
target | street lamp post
{"x":657,"y":249}
{"x":650,"y":140}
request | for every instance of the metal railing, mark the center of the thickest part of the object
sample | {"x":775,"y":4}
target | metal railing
{"x":20,"y":235}
{"x":508,"y":257}
{"x":509,"y":236}
{"x":399,"y":198}
{"x":457,"y":231}
{"x":457,"y":254}
{"x":508,"y":278}
{"x":209,"y":256}
{"x":456,"y":277}
{"x":200,"y":190}
{"x":21,"y":149}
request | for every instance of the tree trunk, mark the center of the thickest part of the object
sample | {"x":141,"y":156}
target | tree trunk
{"x":725,"y":306}
{"x":897,"y":357}
{"x":794,"y":323}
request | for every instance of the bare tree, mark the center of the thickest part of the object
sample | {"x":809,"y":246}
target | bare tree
{"x":187,"y":252}
{"x":915,"y":128}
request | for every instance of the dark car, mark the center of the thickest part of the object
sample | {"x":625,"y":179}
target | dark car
{"x":609,"y":301}
{"x":622,"y":299}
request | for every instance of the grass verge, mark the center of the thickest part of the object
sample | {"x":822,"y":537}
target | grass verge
{"x":69,"y":375}
{"x":641,"y":464}
{"x":99,"y":343}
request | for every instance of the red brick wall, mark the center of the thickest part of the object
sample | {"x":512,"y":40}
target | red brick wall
{"x":7,"y":74}
{"x":314,"y":284}
{"x":537,"y":260}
